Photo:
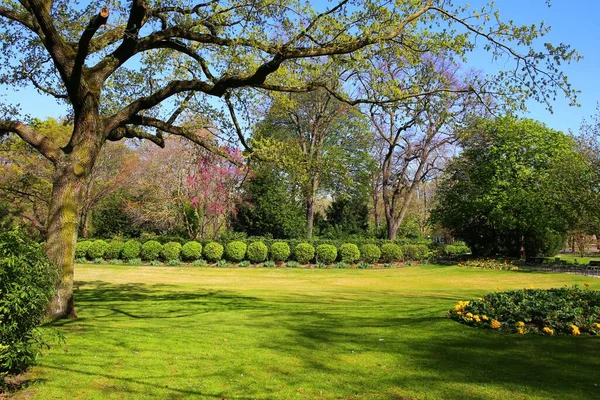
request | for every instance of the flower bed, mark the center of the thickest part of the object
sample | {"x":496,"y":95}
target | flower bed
{"x":489,"y":264}
{"x":559,"y":311}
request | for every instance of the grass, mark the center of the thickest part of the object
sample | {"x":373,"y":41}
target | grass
{"x":570,"y":258}
{"x":184,"y":332}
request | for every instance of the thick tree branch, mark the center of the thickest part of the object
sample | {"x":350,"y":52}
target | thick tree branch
{"x":22,"y":18}
{"x":38,"y":141}
{"x":238,"y":129}
{"x":132,"y":133}
{"x":83,"y":47}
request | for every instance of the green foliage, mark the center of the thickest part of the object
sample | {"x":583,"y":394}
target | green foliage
{"x":349,"y":253}
{"x":370,"y":253}
{"x":415,"y":252}
{"x":199,"y":263}
{"x":222,"y":263}
{"x":235,"y":251}
{"x":244,"y":264}
{"x":27,"y":281}
{"x":134,"y":261}
{"x":342,"y":265}
{"x":191,"y":251}
{"x":109,"y":218}
{"x":174,"y":262}
{"x":511,"y":187}
{"x":269,"y":264}
{"x":326,"y":253}
{"x":114,"y":249}
{"x":304,"y":253}
{"x":489,"y":264}
{"x":81,"y":249}
{"x":346,"y":216}
{"x":280,"y":251}
{"x":81,"y":260}
{"x":97,"y":249}
{"x":269,"y":209}
{"x":364,"y":265}
{"x":292,"y":264}
{"x":257,"y":252}
{"x":558,"y":311}
{"x":98,"y":260}
{"x":391,"y":252}
{"x":213,"y":252}
{"x":131,"y":249}
{"x":151,"y":250}
{"x":388,"y":265}
{"x":453,"y":250}
{"x":115,"y":261}
{"x":171,"y":251}
{"x":156,"y":263}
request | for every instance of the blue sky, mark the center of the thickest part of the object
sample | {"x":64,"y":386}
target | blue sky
{"x":574,"y":23}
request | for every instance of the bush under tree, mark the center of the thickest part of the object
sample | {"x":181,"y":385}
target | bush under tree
{"x":235,"y":251}
{"x":151,"y":250}
{"x":304,"y":253}
{"x":280,"y":251}
{"x":257,"y":252}
{"x":191,"y":251}
{"x":213,"y":252}
{"x":171,"y":251}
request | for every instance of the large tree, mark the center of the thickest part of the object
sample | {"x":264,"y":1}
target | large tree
{"x":120,"y":70}
{"x":509,"y":191}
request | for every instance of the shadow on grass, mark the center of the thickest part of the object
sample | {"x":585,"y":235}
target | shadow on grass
{"x":364,"y":343}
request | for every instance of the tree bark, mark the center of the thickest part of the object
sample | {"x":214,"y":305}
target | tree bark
{"x":62,"y":237}
{"x":310,"y":217}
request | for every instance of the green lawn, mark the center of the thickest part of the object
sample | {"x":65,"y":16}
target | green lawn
{"x":581,"y":260}
{"x":174,"y":333}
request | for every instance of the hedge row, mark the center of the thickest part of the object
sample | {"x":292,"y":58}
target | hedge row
{"x":257,"y":251}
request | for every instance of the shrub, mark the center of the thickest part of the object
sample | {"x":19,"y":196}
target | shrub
{"x":191,"y":251}
{"x":131,"y":249}
{"x":370,"y":253}
{"x":342,"y":265}
{"x":235,"y":251}
{"x":566,"y":310}
{"x":174,"y":262}
{"x":391,"y":252}
{"x":320,"y":265}
{"x":280,"y":251}
{"x":156,"y":263}
{"x":326,"y":253}
{"x":199,"y":263}
{"x":363,"y":265}
{"x":97,"y":249}
{"x":269,"y":264}
{"x":453,"y":250}
{"x":81,"y":248}
{"x":98,"y":260}
{"x":244,"y":264}
{"x":490,"y":264}
{"x":81,"y":260}
{"x":27,"y":281}
{"x":213,"y":252}
{"x":151,"y":250}
{"x":113,"y":251}
{"x":115,"y":261}
{"x":134,"y":261}
{"x":415,"y":252}
{"x":222,"y":263}
{"x":349,"y":253}
{"x":257,"y":252}
{"x":293,"y":264}
{"x":304,"y":253}
{"x":170,"y":251}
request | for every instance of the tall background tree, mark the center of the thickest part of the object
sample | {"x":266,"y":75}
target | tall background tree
{"x":129,"y":71}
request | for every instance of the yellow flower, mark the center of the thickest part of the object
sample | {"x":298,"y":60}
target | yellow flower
{"x":484,"y":317}
{"x":495,"y":324}
{"x":548,"y":331}
{"x":520,"y":324}
{"x":476,"y":318}
{"x":596,"y":325}
{"x":521,"y":331}
{"x":574,"y":330}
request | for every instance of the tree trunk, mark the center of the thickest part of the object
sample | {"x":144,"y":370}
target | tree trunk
{"x":310,"y":217}
{"x":62,"y":236}
{"x":84,"y":225}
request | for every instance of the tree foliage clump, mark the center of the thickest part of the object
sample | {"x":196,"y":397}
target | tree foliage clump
{"x":280,"y":251}
{"x":171,"y":251}
{"x":326,"y":253}
{"x":151,"y":250}
{"x":370,"y":253}
{"x":510,"y":191}
{"x":191,"y":251}
{"x":257,"y":252}
{"x":27,"y":280}
{"x":213,"y":252}
{"x":304,"y":253}
{"x":235,"y":251}
{"x":349,"y":253}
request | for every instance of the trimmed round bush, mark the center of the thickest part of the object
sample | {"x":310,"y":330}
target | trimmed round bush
{"x":113,"y":251}
{"x":151,"y":250}
{"x":304,"y":253}
{"x":415,"y":252}
{"x":213,"y":252}
{"x":171,"y":251}
{"x":280,"y":251}
{"x":97,"y":249}
{"x":370,"y":253}
{"x":191,"y":251}
{"x":456,"y":250}
{"x":81,"y":248}
{"x":257,"y":252}
{"x":349,"y":253}
{"x":235,"y":251}
{"x":131,"y":249}
{"x":326,"y":253}
{"x":391,"y":252}
{"x":27,"y":280}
